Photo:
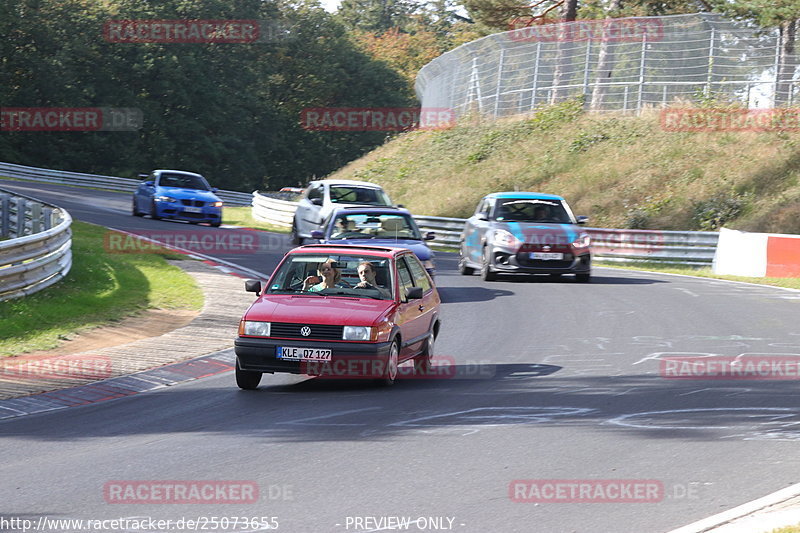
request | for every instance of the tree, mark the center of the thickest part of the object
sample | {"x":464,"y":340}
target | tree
{"x":376,"y":15}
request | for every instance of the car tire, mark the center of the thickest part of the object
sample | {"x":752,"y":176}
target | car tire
{"x":463,"y":269}
{"x":424,"y":361}
{"x":135,"y":211}
{"x":583,"y":278}
{"x":294,"y":236}
{"x":486,"y":269}
{"x":392,"y":362}
{"x":555,"y":277}
{"x":154,"y":212}
{"x":247,"y":379}
{"x":216,"y":224}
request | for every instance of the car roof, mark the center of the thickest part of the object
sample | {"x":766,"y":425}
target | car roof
{"x":160,"y":171}
{"x":525,"y":195}
{"x":380,"y":251}
{"x":359,"y":210}
{"x":351,"y":182}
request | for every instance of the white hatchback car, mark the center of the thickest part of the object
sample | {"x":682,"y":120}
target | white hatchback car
{"x":321,"y":197}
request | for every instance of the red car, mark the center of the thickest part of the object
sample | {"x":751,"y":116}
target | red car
{"x":345,"y":311}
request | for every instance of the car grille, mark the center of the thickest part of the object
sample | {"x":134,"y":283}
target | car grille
{"x":193,"y":203}
{"x":524,"y":260}
{"x":318,"y":331}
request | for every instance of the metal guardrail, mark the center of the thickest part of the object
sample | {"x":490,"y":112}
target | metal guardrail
{"x":37,"y":251}
{"x":98,"y":181}
{"x":695,"y":248}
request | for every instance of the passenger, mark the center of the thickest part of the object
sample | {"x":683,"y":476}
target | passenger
{"x":329,"y":277}
{"x":367,"y":275}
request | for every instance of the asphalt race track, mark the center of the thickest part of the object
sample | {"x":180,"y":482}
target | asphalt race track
{"x":555,"y":380}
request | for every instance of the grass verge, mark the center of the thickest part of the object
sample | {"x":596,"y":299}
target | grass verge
{"x":101,"y":288}
{"x":704,"y":272}
{"x":243,"y":216}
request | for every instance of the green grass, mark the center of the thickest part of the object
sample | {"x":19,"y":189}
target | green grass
{"x":242,"y":216}
{"x":787,"y":529}
{"x":622,"y":171}
{"x":101,"y":288}
{"x":704,"y":272}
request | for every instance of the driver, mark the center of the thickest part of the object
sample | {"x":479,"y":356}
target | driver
{"x":343,"y":225}
{"x":330,"y":278}
{"x":367,"y":274}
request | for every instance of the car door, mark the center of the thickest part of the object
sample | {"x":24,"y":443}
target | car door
{"x":429,"y":304}
{"x":410,"y":312}
{"x":475,"y":230}
{"x":307,"y":216}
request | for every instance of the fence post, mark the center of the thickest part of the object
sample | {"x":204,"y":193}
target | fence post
{"x":586,"y":72}
{"x":777,"y":68}
{"x":5,"y":216}
{"x":499,"y":82}
{"x":625,"y":99}
{"x":710,"y":62}
{"x":536,"y":75}
{"x":641,"y":73}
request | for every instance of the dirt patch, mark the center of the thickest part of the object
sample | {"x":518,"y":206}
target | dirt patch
{"x":151,"y":323}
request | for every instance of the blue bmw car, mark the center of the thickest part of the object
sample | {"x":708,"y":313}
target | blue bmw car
{"x":378,"y":226}
{"x":178,"y":195}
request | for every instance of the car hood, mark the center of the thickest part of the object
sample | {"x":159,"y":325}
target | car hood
{"x":194,"y":194}
{"x":537,"y":233}
{"x":299,"y":309}
{"x":419,"y":248}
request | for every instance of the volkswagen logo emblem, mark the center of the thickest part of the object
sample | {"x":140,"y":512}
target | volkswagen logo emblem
{"x":305,"y":331}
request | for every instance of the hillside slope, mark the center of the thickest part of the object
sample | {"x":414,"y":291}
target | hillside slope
{"x":622,"y":171}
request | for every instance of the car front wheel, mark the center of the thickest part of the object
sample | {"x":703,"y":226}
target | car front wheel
{"x":486,"y":269}
{"x":294,"y":236}
{"x":390,"y":372}
{"x":247,"y":379}
{"x":583,"y":278}
{"x":154,"y":211}
{"x":463,"y":269}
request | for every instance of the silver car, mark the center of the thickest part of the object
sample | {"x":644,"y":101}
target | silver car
{"x":321,"y":197}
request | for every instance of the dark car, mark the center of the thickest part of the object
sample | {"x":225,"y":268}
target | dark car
{"x":177,"y":195}
{"x":387,"y":226}
{"x":344,"y":330}
{"x":525,"y":233}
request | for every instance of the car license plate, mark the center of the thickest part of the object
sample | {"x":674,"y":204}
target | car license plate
{"x":290,"y":353}
{"x":547,"y":256}
{"x":193,"y":209}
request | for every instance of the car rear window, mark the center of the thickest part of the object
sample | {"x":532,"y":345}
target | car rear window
{"x":358,"y":195}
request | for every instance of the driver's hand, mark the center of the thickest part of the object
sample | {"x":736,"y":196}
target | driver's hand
{"x":311,"y":280}
{"x":364,"y":285}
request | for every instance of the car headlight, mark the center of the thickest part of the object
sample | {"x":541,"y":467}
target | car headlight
{"x":582,"y":241}
{"x":357,"y":333}
{"x":505,"y":238}
{"x":216,"y":204}
{"x":165,"y":199}
{"x":256,"y":329}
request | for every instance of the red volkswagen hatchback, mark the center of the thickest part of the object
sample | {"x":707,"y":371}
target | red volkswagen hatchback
{"x":344,"y":311}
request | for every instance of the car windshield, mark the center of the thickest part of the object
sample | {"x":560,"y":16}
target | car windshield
{"x":374,"y":226}
{"x":346,"y":194}
{"x":531,"y":210}
{"x":183,"y":181}
{"x":300,"y":274}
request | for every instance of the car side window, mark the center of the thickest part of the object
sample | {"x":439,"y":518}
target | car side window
{"x":418,"y":272}
{"x":406,"y":281}
{"x":315,"y":192}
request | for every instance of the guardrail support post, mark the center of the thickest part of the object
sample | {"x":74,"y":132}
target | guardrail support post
{"x":5,"y":216}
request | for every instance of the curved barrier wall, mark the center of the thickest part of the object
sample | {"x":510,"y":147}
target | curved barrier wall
{"x":36,"y":245}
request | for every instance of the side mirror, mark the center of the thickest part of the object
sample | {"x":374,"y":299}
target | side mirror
{"x":429,"y":236}
{"x":149,"y":183}
{"x":144,"y":175}
{"x":317,"y":234}
{"x":400,"y":205}
{"x":214,"y":189}
{"x":253,"y":285}
{"x":414,"y":293}
{"x":316,"y":201}
{"x":482,"y":216}
{"x":582,"y":219}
